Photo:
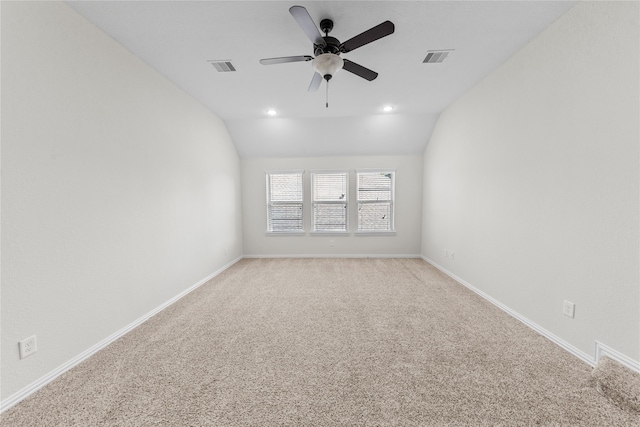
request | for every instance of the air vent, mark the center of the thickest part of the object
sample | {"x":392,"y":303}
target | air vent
{"x":436,"y":56}
{"x":223,"y":66}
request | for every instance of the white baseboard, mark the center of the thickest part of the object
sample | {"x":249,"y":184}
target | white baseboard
{"x":41,"y":382}
{"x":562,"y":343}
{"x":603,"y":350}
{"x":334,"y":256}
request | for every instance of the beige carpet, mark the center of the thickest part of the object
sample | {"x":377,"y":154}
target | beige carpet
{"x":619,"y":384}
{"x":327,"y":342}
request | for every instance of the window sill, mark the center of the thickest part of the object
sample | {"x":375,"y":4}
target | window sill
{"x":374,"y":233}
{"x":330,"y":233}
{"x":285,"y":233}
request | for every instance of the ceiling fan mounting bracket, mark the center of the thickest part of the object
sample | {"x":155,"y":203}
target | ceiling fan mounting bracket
{"x":326,"y":25}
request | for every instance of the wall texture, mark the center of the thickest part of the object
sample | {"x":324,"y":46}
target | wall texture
{"x":118,"y":190}
{"x":532,"y":178}
{"x":408,"y":208}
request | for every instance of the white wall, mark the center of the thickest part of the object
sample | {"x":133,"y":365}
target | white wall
{"x":408,"y":209}
{"x":532,"y":178}
{"x":119,"y":191}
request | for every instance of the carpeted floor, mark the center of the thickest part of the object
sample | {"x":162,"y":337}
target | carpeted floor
{"x":326,"y":342}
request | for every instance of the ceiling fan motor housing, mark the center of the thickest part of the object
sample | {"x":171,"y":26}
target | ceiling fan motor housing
{"x":332,"y":46}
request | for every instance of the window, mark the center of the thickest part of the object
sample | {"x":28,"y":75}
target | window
{"x":284,"y":202}
{"x":375,"y":191}
{"x":329,"y":198}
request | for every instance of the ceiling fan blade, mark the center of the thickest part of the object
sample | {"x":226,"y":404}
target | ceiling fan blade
{"x":359,"y":70}
{"x":309,"y":27}
{"x":372,"y":34}
{"x":284,"y":59}
{"x":315,"y":82}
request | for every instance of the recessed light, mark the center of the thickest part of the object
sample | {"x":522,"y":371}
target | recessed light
{"x":387,"y":109}
{"x":272,"y":112}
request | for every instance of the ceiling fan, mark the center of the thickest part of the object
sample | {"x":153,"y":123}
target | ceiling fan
{"x":327,"y":49}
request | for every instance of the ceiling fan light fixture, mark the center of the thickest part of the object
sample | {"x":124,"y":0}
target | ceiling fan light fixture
{"x":327,"y":64}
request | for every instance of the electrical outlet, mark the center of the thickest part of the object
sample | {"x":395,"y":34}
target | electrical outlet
{"x":27,"y":346}
{"x":332,"y":243}
{"x":453,"y":255}
{"x":569,"y":309}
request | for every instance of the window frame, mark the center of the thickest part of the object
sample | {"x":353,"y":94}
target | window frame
{"x":392,"y":202}
{"x":344,"y":202}
{"x":269,"y":203}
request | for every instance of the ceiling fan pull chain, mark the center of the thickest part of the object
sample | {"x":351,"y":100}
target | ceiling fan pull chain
{"x":327,"y":96}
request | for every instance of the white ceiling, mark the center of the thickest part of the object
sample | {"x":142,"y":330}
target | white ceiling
{"x":178,"y":38}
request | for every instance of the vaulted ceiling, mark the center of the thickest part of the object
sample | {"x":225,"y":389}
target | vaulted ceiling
{"x":180,"y":39}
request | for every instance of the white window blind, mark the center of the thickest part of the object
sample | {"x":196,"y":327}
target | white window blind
{"x":284,"y":202}
{"x":376,"y":192}
{"x":329,"y":193}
